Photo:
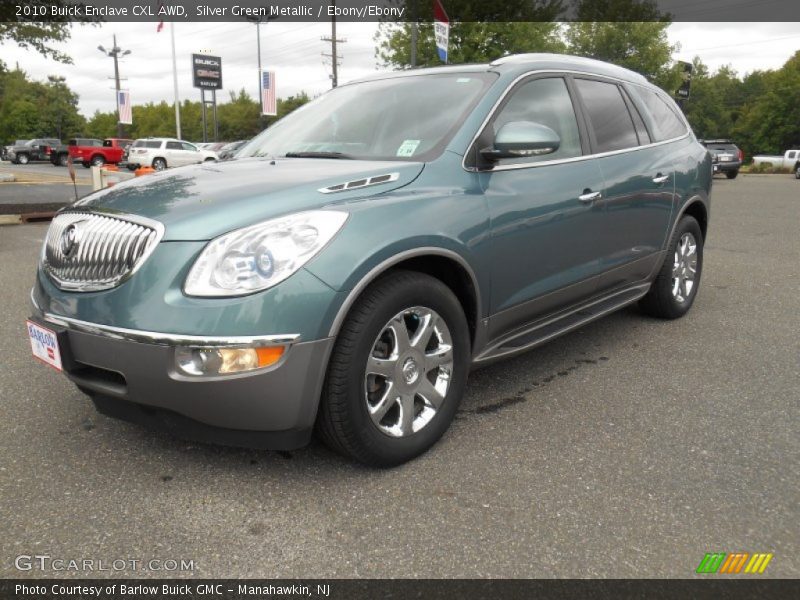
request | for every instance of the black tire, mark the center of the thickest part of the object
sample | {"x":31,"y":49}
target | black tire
{"x":797,"y":171}
{"x":660,"y":301}
{"x":343,"y":421}
{"x":86,"y":165}
{"x":22,"y":159}
{"x":731,"y":174}
{"x":98,"y":161}
{"x":63,"y":159}
{"x":159,"y":164}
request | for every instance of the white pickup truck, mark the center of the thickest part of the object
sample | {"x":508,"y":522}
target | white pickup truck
{"x":790,"y":160}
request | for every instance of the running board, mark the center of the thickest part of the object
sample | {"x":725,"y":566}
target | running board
{"x":542,"y":331}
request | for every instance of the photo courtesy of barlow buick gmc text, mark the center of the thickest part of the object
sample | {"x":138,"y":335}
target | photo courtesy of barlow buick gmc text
{"x":347,"y":299}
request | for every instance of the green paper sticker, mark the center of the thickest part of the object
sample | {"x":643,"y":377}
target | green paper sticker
{"x":408,"y":147}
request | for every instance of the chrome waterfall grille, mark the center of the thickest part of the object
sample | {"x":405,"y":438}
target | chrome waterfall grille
{"x":86,"y":252}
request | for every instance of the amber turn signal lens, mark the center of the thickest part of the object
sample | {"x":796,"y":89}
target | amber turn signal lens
{"x":269,"y":355}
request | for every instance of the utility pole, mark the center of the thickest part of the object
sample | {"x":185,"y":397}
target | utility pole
{"x":115,"y":53}
{"x":334,"y":56}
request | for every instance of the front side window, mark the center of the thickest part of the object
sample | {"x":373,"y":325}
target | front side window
{"x":546,"y":102}
{"x":792,"y":155}
{"x":400,"y":118}
{"x":608,"y":115}
{"x":188,"y":146}
{"x":666,"y":125}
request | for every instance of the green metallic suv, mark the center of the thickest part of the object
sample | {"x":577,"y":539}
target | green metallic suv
{"x":344,"y":273}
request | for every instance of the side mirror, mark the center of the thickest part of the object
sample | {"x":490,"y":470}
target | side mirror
{"x":518,"y":139}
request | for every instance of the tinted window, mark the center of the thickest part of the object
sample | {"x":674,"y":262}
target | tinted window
{"x":791,"y":155}
{"x":665,"y":122}
{"x":174,"y":146}
{"x":608,"y":115}
{"x":547,"y":102}
{"x":641,"y":130}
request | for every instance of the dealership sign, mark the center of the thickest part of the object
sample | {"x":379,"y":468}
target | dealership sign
{"x":207,"y":72}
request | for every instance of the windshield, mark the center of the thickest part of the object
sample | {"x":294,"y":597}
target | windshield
{"x":402,"y":118}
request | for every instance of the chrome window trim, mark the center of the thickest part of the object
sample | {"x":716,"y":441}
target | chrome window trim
{"x":72,"y":286}
{"x":545,"y":163}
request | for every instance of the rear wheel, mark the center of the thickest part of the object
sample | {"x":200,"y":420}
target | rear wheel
{"x":731,"y":174}
{"x":22,"y":159}
{"x":397,"y":371}
{"x":98,"y":160}
{"x":672,"y":293}
{"x":159,"y":164}
{"x":63,"y":159}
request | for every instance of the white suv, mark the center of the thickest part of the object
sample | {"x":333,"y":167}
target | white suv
{"x":161,"y":153}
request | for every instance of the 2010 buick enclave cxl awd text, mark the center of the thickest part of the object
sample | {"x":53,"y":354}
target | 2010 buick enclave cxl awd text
{"x":356,"y":259}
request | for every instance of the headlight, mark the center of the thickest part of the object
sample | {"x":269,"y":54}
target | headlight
{"x":257,"y":257}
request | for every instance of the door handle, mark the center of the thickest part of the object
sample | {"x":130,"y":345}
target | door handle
{"x":660,"y":178}
{"x":589,"y":196}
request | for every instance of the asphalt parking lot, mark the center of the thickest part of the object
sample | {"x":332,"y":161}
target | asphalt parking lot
{"x":628,"y":448}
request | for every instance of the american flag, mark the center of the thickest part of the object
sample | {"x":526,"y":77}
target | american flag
{"x":268,"y":102}
{"x":125,"y":114}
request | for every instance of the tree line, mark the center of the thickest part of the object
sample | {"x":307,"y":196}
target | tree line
{"x":759,"y":111}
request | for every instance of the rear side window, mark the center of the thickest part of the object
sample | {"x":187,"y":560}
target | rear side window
{"x":608,"y":115}
{"x":174,"y":146}
{"x":666,"y":124}
{"x":547,"y":102}
{"x":146,"y":144}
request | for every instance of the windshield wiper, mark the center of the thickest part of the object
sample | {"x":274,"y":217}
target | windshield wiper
{"x":318,"y":154}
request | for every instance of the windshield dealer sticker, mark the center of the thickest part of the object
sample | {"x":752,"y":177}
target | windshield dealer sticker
{"x":407,"y":148}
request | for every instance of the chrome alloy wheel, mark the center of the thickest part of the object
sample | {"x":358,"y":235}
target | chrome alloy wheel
{"x":684,"y":268}
{"x":408,"y":371}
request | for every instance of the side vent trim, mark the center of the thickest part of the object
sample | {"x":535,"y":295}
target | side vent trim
{"x":360,"y":183}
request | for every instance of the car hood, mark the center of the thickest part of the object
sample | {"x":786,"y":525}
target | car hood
{"x":200,"y":202}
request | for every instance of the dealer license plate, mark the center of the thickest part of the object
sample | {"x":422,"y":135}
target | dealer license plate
{"x":44,"y":345}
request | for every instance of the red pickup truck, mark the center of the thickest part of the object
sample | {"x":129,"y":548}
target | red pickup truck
{"x":94,"y":155}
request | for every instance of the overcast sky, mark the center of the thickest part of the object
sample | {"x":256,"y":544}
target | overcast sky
{"x":294,"y":51}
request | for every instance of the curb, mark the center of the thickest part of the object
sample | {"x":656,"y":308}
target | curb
{"x":10,"y":219}
{"x":35,"y":217}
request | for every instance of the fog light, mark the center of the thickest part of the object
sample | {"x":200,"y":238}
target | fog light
{"x":225,"y":361}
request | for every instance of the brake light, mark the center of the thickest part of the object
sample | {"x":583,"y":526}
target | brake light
{"x":741,"y":155}
{"x":47,"y":149}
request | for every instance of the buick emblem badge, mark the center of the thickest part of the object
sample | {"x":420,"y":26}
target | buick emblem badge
{"x":70,"y":240}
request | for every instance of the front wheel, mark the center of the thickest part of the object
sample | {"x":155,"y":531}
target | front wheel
{"x":63,"y":159}
{"x":672,"y":293}
{"x":731,"y":174}
{"x":797,"y":172}
{"x":22,"y":159}
{"x":98,"y":161}
{"x":397,"y":371}
{"x":159,"y":164}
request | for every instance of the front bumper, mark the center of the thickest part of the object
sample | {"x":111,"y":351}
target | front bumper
{"x":132,"y":375}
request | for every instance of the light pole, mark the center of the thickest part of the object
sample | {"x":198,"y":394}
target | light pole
{"x":115,"y":53}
